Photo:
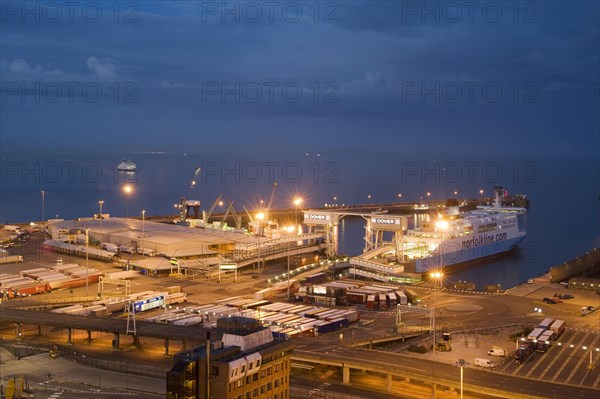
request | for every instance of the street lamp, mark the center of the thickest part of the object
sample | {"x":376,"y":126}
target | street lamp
{"x":43,"y":201}
{"x":260,"y":216}
{"x":289,"y":229}
{"x":461,"y":363}
{"x":87,"y":270}
{"x":100,"y":203}
{"x":435,"y":275}
{"x":143,"y":230}
{"x":128,"y":190}
{"x":297,"y":202}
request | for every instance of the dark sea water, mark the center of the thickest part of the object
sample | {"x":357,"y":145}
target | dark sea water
{"x":563,"y":220}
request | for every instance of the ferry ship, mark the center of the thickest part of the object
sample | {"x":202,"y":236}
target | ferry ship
{"x":127,"y":166}
{"x":457,"y":238}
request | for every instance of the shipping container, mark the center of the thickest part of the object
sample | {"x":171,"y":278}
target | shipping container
{"x":356,"y":297}
{"x":558,"y":327}
{"x":402,"y":299}
{"x":536,"y":333}
{"x":372,"y":304}
{"x":546,"y":323}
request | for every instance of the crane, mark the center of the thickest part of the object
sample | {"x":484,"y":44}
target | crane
{"x":206,"y":214}
{"x":268,"y":209}
{"x":236,"y":218}
{"x":185,"y":204}
{"x":250,"y":218}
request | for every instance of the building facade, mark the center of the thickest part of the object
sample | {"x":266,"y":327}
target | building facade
{"x":244,"y":363}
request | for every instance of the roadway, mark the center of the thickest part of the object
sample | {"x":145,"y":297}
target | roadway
{"x":429,"y":371}
{"x":100,"y":324}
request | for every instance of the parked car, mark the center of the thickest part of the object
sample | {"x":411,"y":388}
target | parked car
{"x":550,"y":301}
{"x":563,"y":296}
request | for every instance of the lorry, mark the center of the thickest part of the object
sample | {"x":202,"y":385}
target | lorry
{"x":107,"y":246}
{"x":523,"y":352}
{"x":146,"y":251}
{"x":544,"y":340}
{"x":497,"y":351}
{"x":558,"y":327}
{"x":546,"y":323}
{"x":11,"y":258}
{"x":536,"y":333}
{"x":412,"y":296}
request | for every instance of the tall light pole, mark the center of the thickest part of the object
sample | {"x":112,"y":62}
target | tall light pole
{"x":461,"y":363}
{"x":87,"y":270}
{"x":100,"y":203}
{"x":143,"y":229}
{"x":127,"y":189}
{"x":435,"y":276}
{"x":260,"y":217}
{"x":297,"y":202}
{"x":290,"y":229}
{"x":43,"y":201}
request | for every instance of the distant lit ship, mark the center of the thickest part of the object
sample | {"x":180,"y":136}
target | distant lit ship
{"x":463,"y":237}
{"x":127,"y":166}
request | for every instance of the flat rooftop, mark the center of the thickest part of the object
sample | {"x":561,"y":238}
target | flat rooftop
{"x":153,"y":232}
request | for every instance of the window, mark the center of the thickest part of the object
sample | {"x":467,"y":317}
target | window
{"x":277,"y":367}
{"x":276,"y":383}
{"x":262,"y":374}
{"x":215,"y":370}
{"x":255,"y":392}
{"x":244,"y":368}
{"x":248,"y":395}
{"x":255,"y":377}
{"x":248,"y":380}
{"x":269,"y":386}
{"x":250,"y":365}
{"x":240,"y":383}
{"x":269,"y":370}
{"x":262,"y":389}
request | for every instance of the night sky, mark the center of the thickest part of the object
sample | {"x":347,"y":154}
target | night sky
{"x":244,"y":77}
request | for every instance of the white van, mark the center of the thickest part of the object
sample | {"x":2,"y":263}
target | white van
{"x":484,"y":363}
{"x":497,"y":352}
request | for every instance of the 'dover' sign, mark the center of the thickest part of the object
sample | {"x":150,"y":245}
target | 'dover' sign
{"x":389,"y":222}
{"x":316,"y":218}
